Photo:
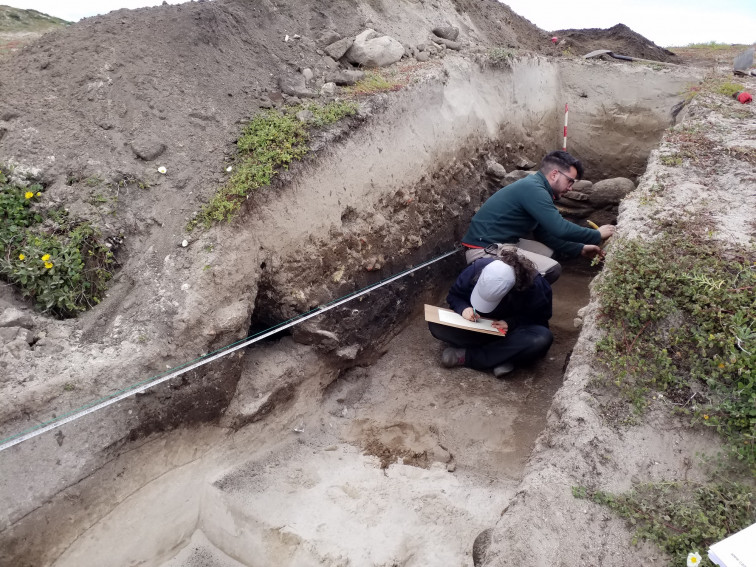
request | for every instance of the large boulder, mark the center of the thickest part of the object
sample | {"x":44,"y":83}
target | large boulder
{"x":610,"y":191}
{"x":371,"y":51}
{"x":447,"y":32}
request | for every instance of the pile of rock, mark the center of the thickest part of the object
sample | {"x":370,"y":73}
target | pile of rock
{"x":346,"y":56}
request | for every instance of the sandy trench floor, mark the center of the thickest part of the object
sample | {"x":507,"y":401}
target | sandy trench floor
{"x":321,"y":496}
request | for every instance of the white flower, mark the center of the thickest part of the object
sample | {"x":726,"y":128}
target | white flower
{"x":162,"y":169}
{"x":229,"y":168}
{"x":694,"y":559}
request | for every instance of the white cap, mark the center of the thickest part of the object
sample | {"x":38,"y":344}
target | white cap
{"x":494,"y":283}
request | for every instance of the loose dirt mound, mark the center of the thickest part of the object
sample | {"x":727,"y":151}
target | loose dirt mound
{"x":619,"y":39}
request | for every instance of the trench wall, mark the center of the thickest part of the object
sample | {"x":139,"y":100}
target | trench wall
{"x":399,"y":188}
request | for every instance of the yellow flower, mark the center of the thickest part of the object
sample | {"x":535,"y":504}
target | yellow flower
{"x":706,"y":416}
{"x":38,"y":194}
{"x":28,"y":194}
{"x":45,"y":258}
{"x":721,"y":365}
{"x":21,"y":257}
{"x":48,"y":265}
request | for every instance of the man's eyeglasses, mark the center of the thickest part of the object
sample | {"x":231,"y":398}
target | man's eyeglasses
{"x":570,"y":180}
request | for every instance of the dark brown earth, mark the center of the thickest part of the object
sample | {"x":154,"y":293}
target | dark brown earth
{"x":619,"y":39}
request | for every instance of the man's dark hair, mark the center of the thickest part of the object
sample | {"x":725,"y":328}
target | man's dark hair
{"x":562,"y":161}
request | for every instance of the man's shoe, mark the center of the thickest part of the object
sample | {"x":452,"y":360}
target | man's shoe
{"x":452,"y":357}
{"x":503,"y":369}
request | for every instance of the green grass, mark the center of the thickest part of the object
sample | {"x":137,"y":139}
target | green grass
{"x":17,"y":20}
{"x":710,"y":45}
{"x":681,"y":517}
{"x":374,"y":82}
{"x":678,"y":316}
{"x":728,"y":88}
{"x":268,"y":143}
{"x":58,"y":262}
{"x":718,"y":85}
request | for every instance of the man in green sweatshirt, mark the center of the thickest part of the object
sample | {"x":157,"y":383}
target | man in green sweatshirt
{"x":527,"y":207}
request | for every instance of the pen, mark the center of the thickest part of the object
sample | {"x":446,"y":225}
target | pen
{"x":475,"y":314}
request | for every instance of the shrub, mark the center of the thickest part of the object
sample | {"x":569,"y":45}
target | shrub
{"x":58,"y":262}
{"x":678,"y":315}
{"x":681,"y":517}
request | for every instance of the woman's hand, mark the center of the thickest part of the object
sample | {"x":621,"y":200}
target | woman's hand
{"x":470,"y":314}
{"x":501,"y":326}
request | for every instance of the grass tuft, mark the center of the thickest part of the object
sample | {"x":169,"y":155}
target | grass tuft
{"x":374,"y":82}
{"x":268,"y":143}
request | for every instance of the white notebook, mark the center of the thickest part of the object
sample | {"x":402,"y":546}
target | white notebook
{"x":738,"y":550}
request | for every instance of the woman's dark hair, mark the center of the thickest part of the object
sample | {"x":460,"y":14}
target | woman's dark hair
{"x":525,"y":270}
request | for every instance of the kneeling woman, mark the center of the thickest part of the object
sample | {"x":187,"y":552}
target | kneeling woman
{"x":509,"y":290}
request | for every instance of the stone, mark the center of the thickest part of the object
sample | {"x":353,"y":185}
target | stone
{"x":524,"y":163}
{"x":514,"y":175}
{"x":327,"y":38}
{"x":328,"y":89}
{"x":447,"y":43}
{"x":307,"y":74}
{"x":16,"y":346}
{"x":147,"y":147}
{"x":12,"y":317}
{"x":9,"y":334}
{"x":345,"y":77}
{"x":338,"y":48}
{"x":446,"y":32}
{"x":582,"y":186}
{"x":422,"y":56}
{"x":330,"y":63}
{"x":348,"y":353}
{"x":370,"y":51}
{"x":610,"y":191}
{"x":576,"y":196}
{"x":294,"y":85}
{"x":495,"y":169}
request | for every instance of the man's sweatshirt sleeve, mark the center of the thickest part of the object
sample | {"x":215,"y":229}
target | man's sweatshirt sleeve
{"x":564,"y":236}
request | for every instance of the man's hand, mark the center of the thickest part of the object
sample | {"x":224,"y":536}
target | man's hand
{"x":470,"y":314}
{"x":591,"y":251}
{"x":501,"y":326}
{"x":606,"y":231}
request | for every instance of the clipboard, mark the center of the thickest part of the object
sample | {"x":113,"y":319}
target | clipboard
{"x":449,"y":318}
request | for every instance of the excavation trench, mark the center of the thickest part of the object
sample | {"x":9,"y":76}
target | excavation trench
{"x":346,"y":443}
